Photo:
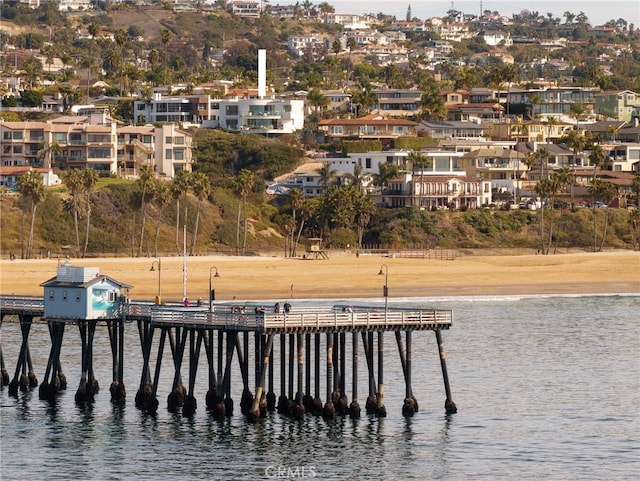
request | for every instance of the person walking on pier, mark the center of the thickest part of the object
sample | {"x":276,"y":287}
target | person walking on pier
{"x":276,"y":308}
{"x":287,"y":307}
{"x":186,"y":302}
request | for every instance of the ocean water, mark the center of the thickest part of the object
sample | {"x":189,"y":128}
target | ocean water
{"x":547,"y":388}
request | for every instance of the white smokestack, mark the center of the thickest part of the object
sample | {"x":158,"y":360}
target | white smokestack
{"x":262,"y":73}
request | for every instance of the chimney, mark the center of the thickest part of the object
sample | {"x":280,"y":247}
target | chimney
{"x":262,"y":73}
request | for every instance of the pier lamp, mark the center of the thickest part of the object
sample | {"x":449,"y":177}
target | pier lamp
{"x":211,"y":275}
{"x":384,"y":271}
{"x":153,"y":268}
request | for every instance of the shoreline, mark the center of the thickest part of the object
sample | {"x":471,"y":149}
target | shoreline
{"x":348,"y":276}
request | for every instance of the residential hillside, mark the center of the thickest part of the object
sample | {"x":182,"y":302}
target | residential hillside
{"x":281,"y":123}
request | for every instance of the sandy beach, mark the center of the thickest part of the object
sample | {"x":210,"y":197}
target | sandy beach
{"x":348,"y":276}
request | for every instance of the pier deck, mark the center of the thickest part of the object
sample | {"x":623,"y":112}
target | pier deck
{"x":242,"y":317}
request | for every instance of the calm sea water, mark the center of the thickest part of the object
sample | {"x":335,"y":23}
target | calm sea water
{"x":547,"y":388}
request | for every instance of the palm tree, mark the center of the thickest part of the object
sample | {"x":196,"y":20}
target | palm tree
{"x":357,"y":178}
{"x":576,"y":141}
{"x":31,"y":187}
{"x":364,"y":208}
{"x":634,"y":222}
{"x":420,"y":160}
{"x":145,"y":177}
{"x":317,"y":100}
{"x":165,"y":37}
{"x":605,"y":192}
{"x":597,"y":158}
{"x":121,"y":39}
{"x":296,"y":198}
{"x":432,"y":104}
{"x":74,"y":182}
{"x":635,"y":187}
{"x":308,"y":210}
{"x":243,"y":185}
{"x":201,"y":187}
{"x":608,"y":194}
{"x":161,"y":197}
{"x":576,"y":110}
{"x":327,"y":175}
{"x":93,"y":30}
{"x":179,"y":188}
{"x":49,"y":151}
{"x":89,"y":181}
{"x":386,"y":172}
{"x":364,"y":99}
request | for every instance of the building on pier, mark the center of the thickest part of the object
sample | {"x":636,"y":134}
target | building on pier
{"x":82,"y":293}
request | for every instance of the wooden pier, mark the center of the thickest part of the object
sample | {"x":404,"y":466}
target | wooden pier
{"x":313,"y":341}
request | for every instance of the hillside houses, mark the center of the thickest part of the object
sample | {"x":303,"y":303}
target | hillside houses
{"x":367,"y":92}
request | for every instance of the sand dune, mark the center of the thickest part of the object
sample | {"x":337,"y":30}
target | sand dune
{"x":345,"y":276}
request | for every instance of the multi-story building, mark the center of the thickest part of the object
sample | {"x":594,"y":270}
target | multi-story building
{"x":103,"y":146}
{"x":299,"y":44}
{"x":185,"y":110}
{"x":397,"y":102}
{"x":244,"y":8}
{"x":436,"y":192}
{"x":370,"y":127}
{"x":80,"y":143}
{"x":503,"y":168}
{"x":261,"y":116}
{"x":617,"y":104}
{"x":553,"y":101}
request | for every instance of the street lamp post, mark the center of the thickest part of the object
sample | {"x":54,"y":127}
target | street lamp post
{"x":210,"y":286}
{"x":384,"y":270}
{"x":159,"y":264}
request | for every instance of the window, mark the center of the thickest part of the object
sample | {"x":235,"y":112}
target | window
{"x":99,"y":138}
{"x":178,"y":140}
{"x":146,"y":139}
{"x":113,"y":296}
{"x":141,"y":106}
{"x":99,"y":152}
{"x":178,"y":154}
{"x":168,"y":153}
{"x":17,"y":136}
{"x":168,"y":140}
{"x":36,"y":135}
{"x":60,"y":137}
{"x":232,"y":110}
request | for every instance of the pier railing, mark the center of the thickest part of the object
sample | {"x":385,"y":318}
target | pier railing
{"x":312,"y":319}
{"x":33,"y":305}
{"x":253,"y":317}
